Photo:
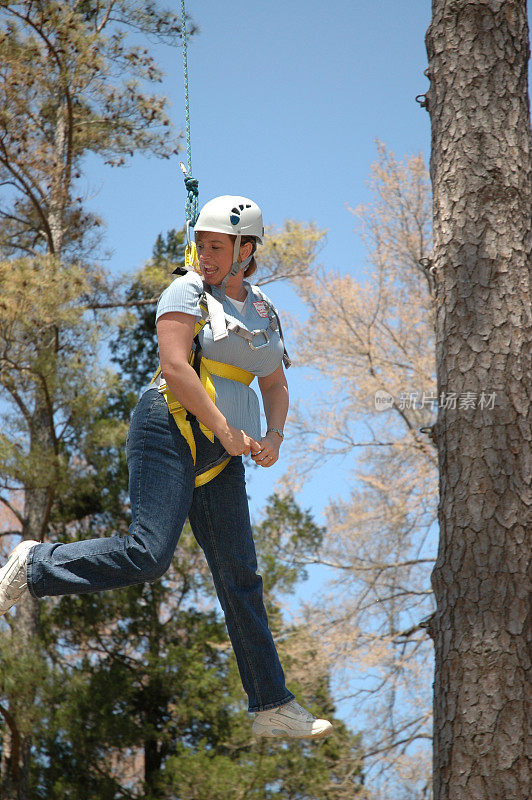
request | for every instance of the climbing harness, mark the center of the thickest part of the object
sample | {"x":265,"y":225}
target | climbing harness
{"x":221,"y":325}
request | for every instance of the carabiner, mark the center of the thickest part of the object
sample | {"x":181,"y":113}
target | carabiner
{"x":257,"y":333}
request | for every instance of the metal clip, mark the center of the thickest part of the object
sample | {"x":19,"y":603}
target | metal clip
{"x":427,"y":265}
{"x":258,"y":333}
{"x":430,"y":431}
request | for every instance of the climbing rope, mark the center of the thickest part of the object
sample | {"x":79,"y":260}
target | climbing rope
{"x":191,"y":184}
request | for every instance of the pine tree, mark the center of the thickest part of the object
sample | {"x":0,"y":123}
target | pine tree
{"x":481,"y":175}
{"x":72,"y":83}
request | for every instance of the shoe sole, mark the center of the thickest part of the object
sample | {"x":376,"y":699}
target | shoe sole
{"x":5,"y":571}
{"x":287,"y":735}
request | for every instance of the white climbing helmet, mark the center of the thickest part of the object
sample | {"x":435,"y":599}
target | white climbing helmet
{"x":237,"y":216}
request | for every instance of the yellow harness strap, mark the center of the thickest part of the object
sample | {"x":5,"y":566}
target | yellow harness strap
{"x":208,"y":367}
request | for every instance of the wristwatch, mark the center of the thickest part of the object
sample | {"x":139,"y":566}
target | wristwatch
{"x":276,"y":430}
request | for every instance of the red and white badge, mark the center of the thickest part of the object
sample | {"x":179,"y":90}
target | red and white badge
{"x":261,"y":308}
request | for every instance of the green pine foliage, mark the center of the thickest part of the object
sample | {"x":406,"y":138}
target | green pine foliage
{"x":134,"y":349}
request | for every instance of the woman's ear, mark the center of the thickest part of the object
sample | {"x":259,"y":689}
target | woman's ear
{"x":245,"y":251}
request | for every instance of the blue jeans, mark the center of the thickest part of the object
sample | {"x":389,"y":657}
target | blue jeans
{"x":162,"y":494}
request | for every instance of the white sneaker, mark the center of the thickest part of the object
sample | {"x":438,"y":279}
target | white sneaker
{"x":290,"y":720}
{"x":13,"y":576}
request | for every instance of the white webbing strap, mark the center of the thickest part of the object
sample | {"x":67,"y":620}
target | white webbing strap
{"x":216,"y":317}
{"x":221,"y":324}
{"x":234,"y":327}
{"x":236,"y":253}
{"x":237,"y":265}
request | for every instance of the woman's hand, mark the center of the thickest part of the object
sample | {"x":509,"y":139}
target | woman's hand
{"x":274,"y":392}
{"x":238,"y":443}
{"x":269,"y":450}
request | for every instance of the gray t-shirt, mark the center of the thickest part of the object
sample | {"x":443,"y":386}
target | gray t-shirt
{"x":237,"y":402}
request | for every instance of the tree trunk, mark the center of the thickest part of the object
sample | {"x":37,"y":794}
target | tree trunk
{"x":481,"y":169}
{"x":60,"y":180}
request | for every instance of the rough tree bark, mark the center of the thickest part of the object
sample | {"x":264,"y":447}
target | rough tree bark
{"x":481,"y":173}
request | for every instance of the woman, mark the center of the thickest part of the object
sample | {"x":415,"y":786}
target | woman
{"x":184,"y":446}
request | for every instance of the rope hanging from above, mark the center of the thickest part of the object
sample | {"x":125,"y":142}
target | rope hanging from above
{"x":191,"y":184}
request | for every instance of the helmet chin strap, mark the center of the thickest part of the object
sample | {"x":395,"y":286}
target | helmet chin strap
{"x":237,"y":265}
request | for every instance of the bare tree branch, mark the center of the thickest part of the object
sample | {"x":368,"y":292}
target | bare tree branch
{"x":105,"y":19}
{"x":124,"y":304}
{"x":12,"y":509}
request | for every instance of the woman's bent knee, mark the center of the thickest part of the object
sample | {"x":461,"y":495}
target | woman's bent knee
{"x":153,"y":570}
{"x":149,"y":564}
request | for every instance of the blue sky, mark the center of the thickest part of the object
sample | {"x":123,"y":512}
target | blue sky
{"x":286,"y":103}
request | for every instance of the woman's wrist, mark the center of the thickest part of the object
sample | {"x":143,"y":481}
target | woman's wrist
{"x":221,"y":429}
{"x":277,"y":432}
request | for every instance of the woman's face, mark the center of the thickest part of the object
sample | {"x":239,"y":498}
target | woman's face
{"x":215,"y":255}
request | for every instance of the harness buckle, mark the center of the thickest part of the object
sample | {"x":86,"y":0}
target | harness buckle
{"x":264,"y":333}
